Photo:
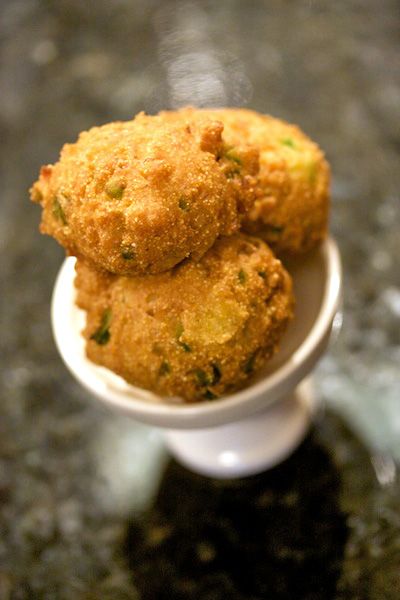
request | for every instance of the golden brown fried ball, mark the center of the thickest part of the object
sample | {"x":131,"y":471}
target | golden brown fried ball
{"x":198,"y":331}
{"x":140,"y":196}
{"x":291,"y":212}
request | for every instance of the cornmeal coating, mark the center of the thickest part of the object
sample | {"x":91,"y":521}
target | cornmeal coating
{"x":291,"y":212}
{"x":140,"y":196}
{"x":198,"y":331}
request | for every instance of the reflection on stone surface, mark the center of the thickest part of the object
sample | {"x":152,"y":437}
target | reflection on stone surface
{"x":277,"y":535}
{"x":198,"y":72}
{"x":129,"y":461}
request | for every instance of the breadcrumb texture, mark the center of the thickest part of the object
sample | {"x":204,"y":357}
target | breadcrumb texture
{"x":292,"y":208}
{"x":140,"y":196}
{"x":198,"y":331}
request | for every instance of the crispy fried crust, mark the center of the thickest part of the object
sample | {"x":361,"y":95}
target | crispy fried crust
{"x":198,"y":331}
{"x":291,"y":212}
{"x":140,"y":196}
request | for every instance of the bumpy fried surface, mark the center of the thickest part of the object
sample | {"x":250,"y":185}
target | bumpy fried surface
{"x":197,"y":331}
{"x":291,"y":212}
{"x":140,"y":196}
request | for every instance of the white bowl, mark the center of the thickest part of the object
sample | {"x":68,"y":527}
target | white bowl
{"x":242,"y":433}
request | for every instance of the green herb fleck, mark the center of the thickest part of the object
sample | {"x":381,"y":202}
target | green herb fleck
{"x":185,"y":346}
{"x":114,"y":189}
{"x":242,"y":276}
{"x":102,"y":335}
{"x":249,"y":365}
{"x":202,"y":377}
{"x":216,"y":374}
{"x":274,"y":229}
{"x":288,"y":142}
{"x":183,"y":204}
{"x":209,"y":395}
{"x":164,"y":369}
{"x":231,"y":173}
{"x":127,"y":253}
{"x":231,"y":155}
{"x":58,"y":211}
{"x":262,"y":274}
{"x":179,"y":330}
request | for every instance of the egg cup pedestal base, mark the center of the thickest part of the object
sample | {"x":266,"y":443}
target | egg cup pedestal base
{"x":249,"y":446}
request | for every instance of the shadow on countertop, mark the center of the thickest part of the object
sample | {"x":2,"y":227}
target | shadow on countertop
{"x":280,"y":534}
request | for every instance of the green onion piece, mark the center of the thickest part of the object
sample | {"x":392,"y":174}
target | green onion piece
{"x":185,"y":346}
{"x":179,"y":330}
{"x":242,"y":276}
{"x":249,"y":365}
{"x":216,"y":374}
{"x":262,"y":274}
{"x":114,"y":189}
{"x":231,"y":173}
{"x":202,"y":377}
{"x":164,"y":369}
{"x":209,"y":395}
{"x":288,"y":142}
{"x":127,"y":253}
{"x":58,"y":211}
{"x":183,"y":204}
{"x":231,"y":155}
{"x":274,"y":228}
{"x":102,"y":335}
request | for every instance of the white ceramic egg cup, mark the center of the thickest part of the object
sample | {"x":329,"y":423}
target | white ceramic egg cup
{"x":246,"y":432}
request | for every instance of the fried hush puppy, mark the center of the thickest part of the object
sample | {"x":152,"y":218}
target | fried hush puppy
{"x":291,"y":211}
{"x":138,"y":197}
{"x":198,"y":331}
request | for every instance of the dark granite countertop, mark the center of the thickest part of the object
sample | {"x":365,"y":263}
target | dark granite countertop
{"x":90,"y":505}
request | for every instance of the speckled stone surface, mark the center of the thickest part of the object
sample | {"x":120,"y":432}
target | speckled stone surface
{"x":90,"y":506}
